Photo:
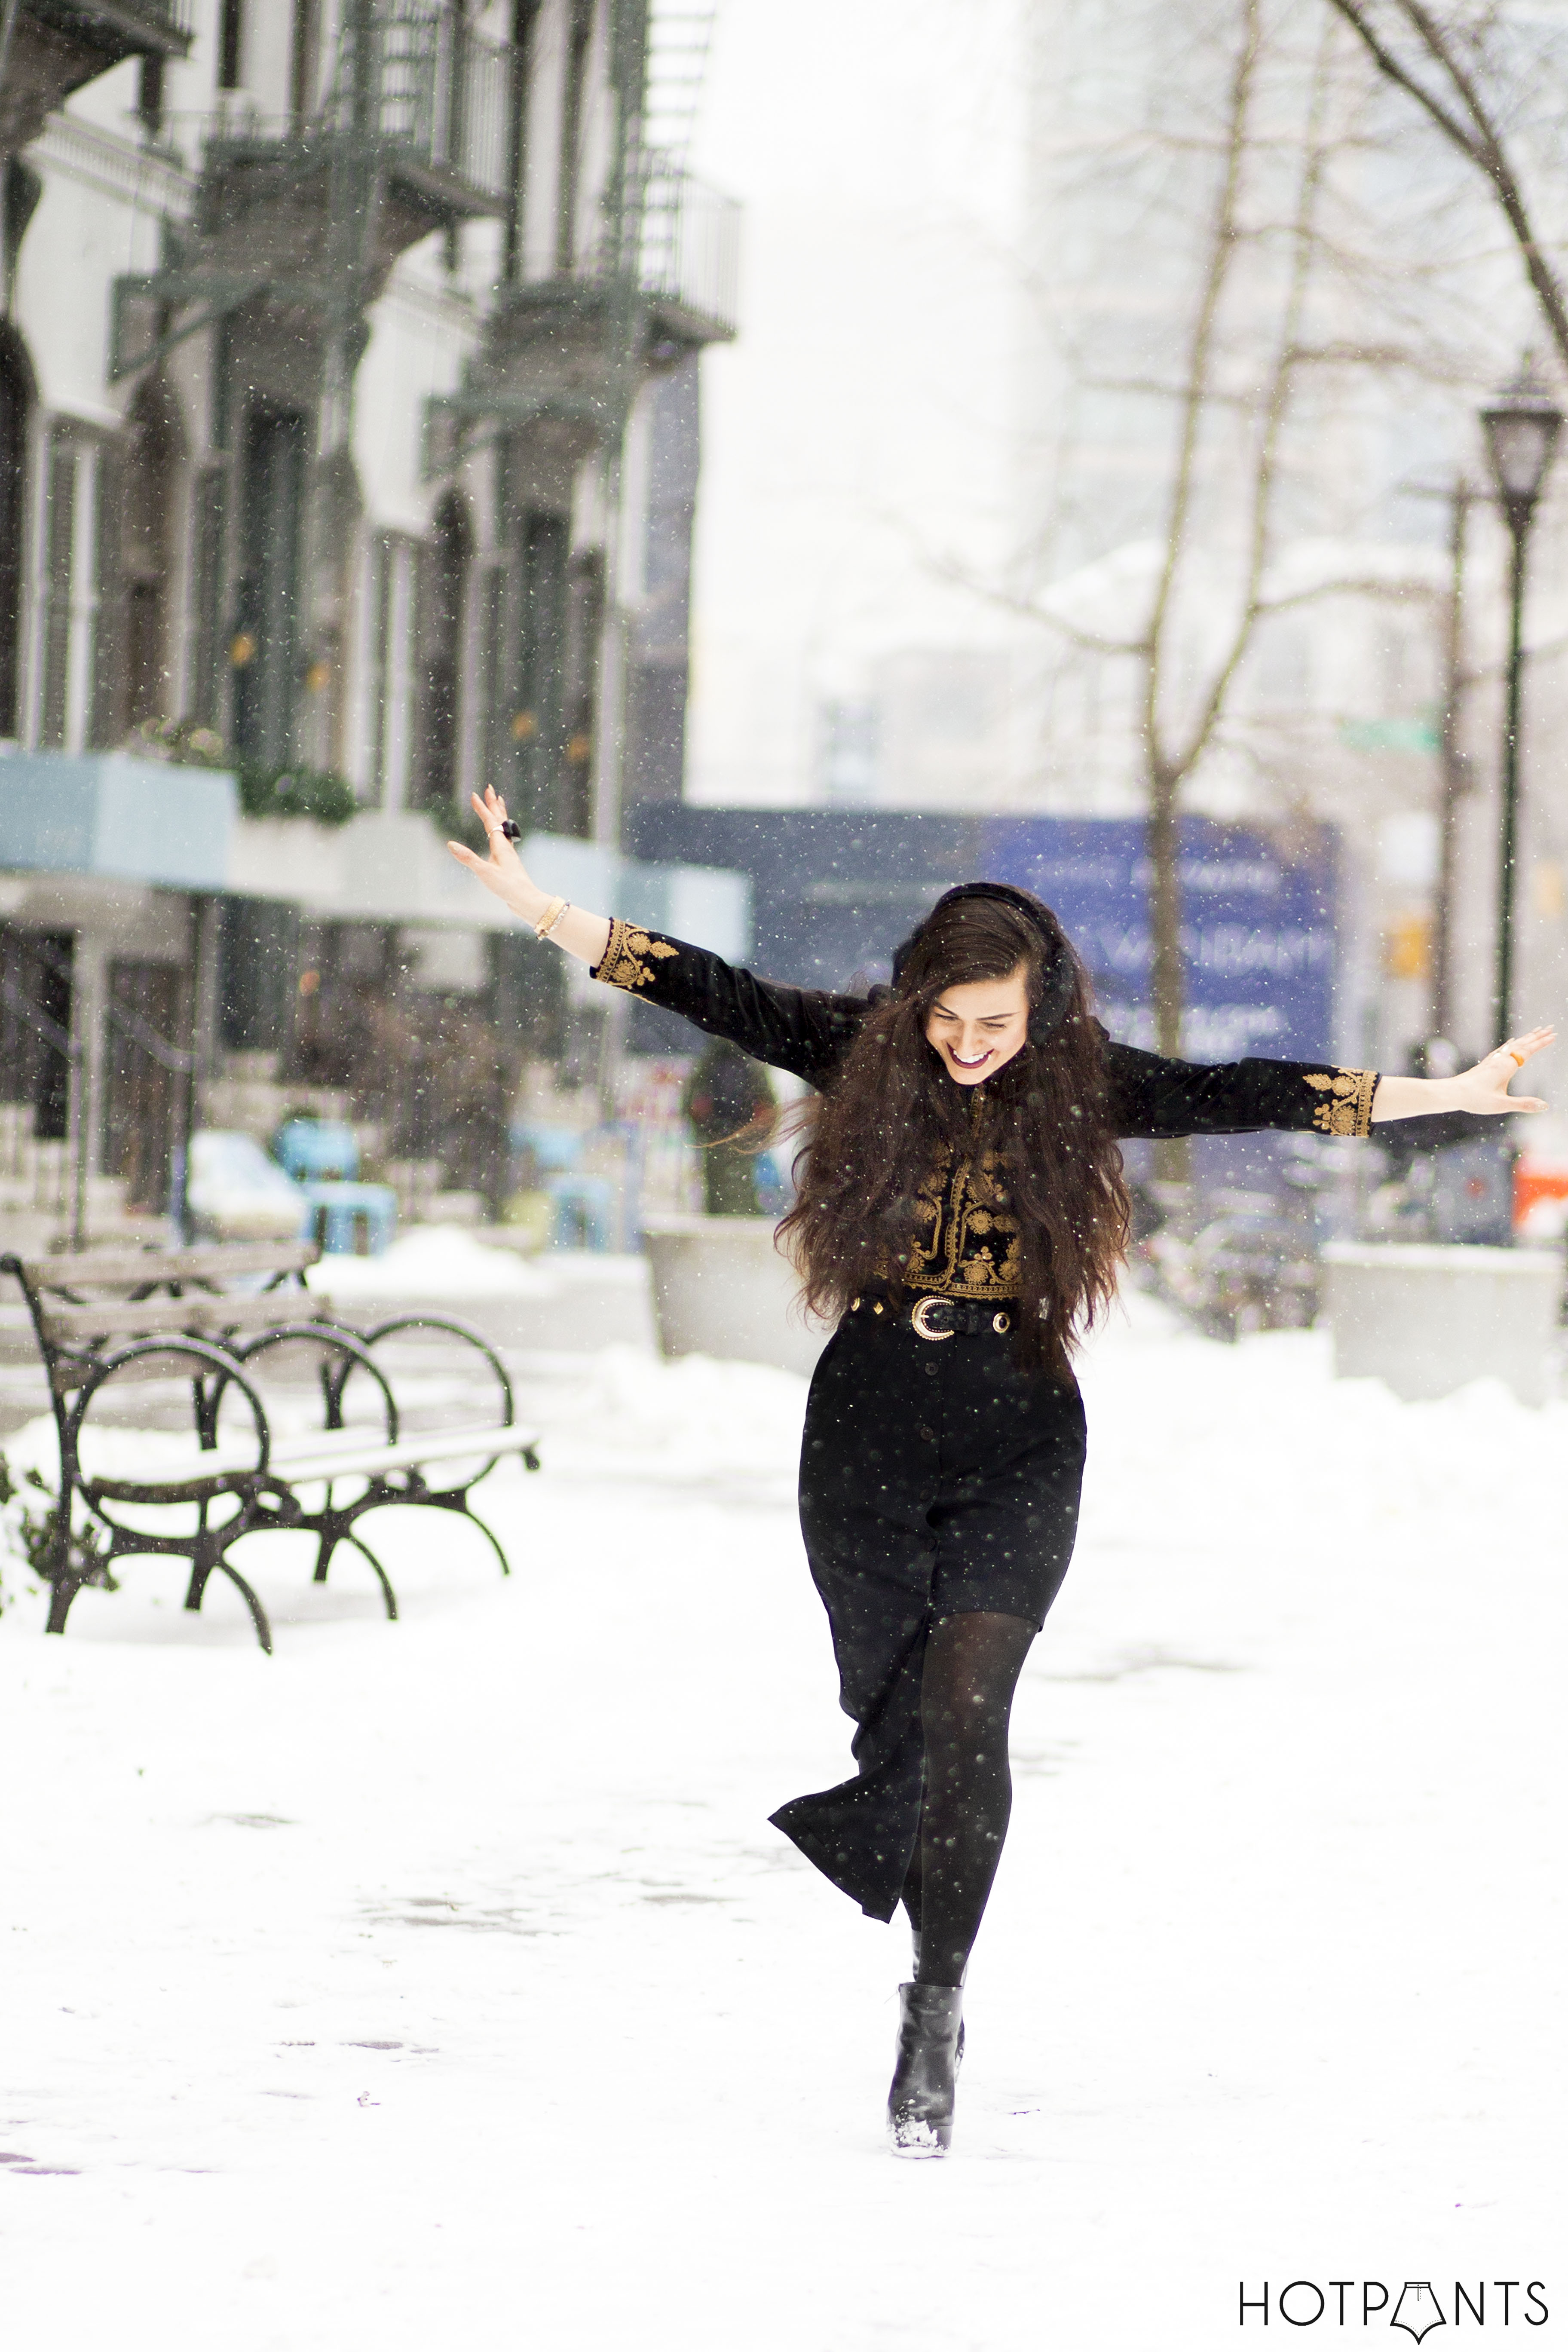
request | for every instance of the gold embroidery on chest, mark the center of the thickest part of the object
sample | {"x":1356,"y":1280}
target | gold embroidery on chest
{"x":625,"y":962}
{"x":970,"y":1247}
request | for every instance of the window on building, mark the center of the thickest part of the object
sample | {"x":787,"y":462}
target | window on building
{"x":579,"y":41}
{"x":259,"y":967}
{"x":584,"y":626}
{"x":37,"y":968}
{"x":150,"y":96}
{"x":439,"y":639}
{"x":323,"y":717}
{"x":537,"y":724}
{"x":264,"y":651}
{"x":391,"y":587}
{"x":61,"y":488}
{"x":14,"y":389}
{"x":496,"y":747}
{"x":20,"y":190}
{"x":524,"y":17}
{"x":304,"y":57}
{"x":231,"y":45}
{"x":208,"y":658}
{"x":147,"y":500}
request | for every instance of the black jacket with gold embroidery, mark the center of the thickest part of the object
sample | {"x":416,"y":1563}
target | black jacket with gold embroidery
{"x":968,"y":1246}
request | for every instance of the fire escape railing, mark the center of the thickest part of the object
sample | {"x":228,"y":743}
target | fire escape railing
{"x":415,"y":76}
{"x":690,"y":245}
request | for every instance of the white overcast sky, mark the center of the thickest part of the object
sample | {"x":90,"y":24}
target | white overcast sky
{"x":857,"y":432}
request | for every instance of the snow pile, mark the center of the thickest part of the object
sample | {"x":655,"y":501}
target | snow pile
{"x":690,"y":1423}
{"x":1299,"y":1452}
{"x":436,"y":1262}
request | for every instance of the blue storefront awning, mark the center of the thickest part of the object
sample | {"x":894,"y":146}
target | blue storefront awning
{"x":126,"y":820}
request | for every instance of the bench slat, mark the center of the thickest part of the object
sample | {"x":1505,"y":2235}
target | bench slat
{"x":215,"y":1262}
{"x":308,"y":1464}
{"x":203,"y":1318}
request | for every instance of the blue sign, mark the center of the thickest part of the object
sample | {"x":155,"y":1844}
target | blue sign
{"x":1257,"y":927}
{"x":835,"y":890}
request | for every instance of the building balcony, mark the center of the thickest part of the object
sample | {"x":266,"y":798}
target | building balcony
{"x":413,"y":135}
{"x":568,"y":350}
{"x":127,"y":28}
{"x":56,"y":46}
{"x":691,"y":257}
{"x":418,"y":97}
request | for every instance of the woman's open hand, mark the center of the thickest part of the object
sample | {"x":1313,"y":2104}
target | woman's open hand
{"x":581,"y":934}
{"x":1485,"y":1089}
{"x":503,"y":870}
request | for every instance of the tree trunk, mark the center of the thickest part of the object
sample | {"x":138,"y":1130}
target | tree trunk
{"x":1165,"y":909}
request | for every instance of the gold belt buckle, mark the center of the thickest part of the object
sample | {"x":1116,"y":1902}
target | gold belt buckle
{"x":922,"y":1308}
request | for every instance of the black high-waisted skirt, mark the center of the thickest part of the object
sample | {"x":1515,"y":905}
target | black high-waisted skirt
{"x":935,"y":1476}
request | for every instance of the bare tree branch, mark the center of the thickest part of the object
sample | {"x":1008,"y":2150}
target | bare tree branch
{"x":1273,"y":425}
{"x":1474,"y":131}
{"x":1194,"y":393}
{"x":1357,"y":14}
{"x":1386,"y":591}
{"x":1026,"y":608}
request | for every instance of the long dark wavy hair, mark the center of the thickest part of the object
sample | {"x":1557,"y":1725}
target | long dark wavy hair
{"x":891,"y":1115}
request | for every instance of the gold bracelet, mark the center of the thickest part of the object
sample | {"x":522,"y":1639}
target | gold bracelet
{"x":552,"y":916}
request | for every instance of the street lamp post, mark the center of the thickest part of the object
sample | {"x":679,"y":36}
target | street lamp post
{"x":1521,"y":426}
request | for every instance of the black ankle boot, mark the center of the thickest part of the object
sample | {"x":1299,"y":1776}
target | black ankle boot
{"x":915,"y":1969}
{"x":919,"y":2103}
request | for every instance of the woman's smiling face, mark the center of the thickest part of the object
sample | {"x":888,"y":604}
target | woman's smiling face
{"x":978,"y":1025}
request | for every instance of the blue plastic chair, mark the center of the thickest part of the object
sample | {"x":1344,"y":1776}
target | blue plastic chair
{"x":318,"y":1149}
{"x":335,"y":1210}
{"x":584,"y":1209}
{"x":322,"y":1156}
{"x":556,"y":1150}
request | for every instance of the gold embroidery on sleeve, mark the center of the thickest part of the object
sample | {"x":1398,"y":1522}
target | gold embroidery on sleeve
{"x":623,"y":962}
{"x":1350,"y":1110}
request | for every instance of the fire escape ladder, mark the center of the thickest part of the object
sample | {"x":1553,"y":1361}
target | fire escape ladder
{"x":679,"y":34}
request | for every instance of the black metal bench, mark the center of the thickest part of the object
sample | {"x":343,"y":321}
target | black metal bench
{"x":108,"y":1316}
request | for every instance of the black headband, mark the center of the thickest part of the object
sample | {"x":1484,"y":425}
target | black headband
{"x":1059,"y":976}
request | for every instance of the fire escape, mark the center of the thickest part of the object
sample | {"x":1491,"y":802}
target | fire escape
{"x":297,"y":223}
{"x":651,"y":276}
{"x":50,"y":47}
{"x":626,"y":279}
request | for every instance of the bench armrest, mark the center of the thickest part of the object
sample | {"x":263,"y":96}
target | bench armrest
{"x":340,"y":1341}
{"x":458,"y":1330}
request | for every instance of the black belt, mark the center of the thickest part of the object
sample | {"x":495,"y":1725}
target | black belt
{"x":938,"y":1318}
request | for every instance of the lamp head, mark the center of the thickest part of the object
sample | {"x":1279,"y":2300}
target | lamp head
{"x":1521,"y":425}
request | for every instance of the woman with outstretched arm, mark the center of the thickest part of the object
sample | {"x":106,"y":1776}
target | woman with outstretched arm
{"x":961,"y":1217}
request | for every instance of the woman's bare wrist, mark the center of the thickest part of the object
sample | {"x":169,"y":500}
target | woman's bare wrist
{"x":1397,"y":1098}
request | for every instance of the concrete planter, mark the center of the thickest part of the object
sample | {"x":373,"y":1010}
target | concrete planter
{"x":721,"y":1288}
{"x":1427,"y":1318}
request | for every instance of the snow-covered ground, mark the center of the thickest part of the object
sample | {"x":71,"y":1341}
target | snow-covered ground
{"x":443,"y":1984}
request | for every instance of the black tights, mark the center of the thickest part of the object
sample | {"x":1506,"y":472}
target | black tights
{"x":972,"y":1666}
